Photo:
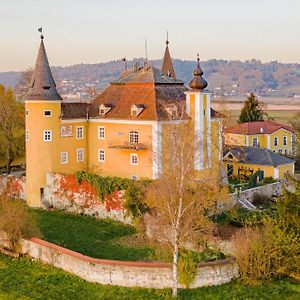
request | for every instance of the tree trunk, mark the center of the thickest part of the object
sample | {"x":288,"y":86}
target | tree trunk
{"x":175,"y":264}
{"x":8,"y":160}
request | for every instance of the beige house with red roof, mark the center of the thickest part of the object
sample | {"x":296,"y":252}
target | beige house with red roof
{"x":271,"y":135}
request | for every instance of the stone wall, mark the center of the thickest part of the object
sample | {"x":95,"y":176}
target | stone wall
{"x":269,"y":190}
{"x":12,"y":186}
{"x":62,"y":192}
{"x":125,"y":273}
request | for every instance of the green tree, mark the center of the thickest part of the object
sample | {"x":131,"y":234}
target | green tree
{"x":12,"y":127}
{"x":252,"y":110}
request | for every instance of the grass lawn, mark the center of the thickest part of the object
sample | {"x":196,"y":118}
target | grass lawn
{"x":26,"y":279}
{"x":92,"y":237}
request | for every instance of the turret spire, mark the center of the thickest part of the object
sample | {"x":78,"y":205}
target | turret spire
{"x":198,"y":83}
{"x":42,"y":85}
{"x":167,"y":65}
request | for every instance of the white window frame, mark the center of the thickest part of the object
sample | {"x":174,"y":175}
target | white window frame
{"x":47,"y":136}
{"x":134,"y":159}
{"x":101,"y":152}
{"x":133,"y":137}
{"x":134,"y":177}
{"x":79,"y":132}
{"x":44,"y":112}
{"x":102,"y":130}
{"x":275,"y":141}
{"x":284,"y":141}
{"x":27,"y":135}
{"x":64,"y":157}
{"x":255,"y":139}
{"x":79,"y":150}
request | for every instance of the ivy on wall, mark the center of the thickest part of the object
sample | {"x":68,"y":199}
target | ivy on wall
{"x":104,"y":185}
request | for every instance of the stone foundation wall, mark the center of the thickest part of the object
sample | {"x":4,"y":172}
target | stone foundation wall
{"x":62,"y":192}
{"x":269,"y":190}
{"x":125,"y":273}
{"x":12,"y":186}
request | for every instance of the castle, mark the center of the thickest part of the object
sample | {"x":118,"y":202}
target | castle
{"x":122,"y":131}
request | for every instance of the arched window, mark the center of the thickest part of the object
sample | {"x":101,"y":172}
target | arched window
{"x":133,"y":137}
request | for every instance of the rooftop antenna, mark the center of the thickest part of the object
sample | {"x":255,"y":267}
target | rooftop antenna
{"x":40,"y":29}
{"x":125,"y":63}
{"x":146,"y":50}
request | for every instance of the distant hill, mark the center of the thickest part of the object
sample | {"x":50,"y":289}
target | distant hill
{"x":232,"y":78}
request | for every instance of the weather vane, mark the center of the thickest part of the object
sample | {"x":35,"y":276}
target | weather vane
{"x":40,"y":29}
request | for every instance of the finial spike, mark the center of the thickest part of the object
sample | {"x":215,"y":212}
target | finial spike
{"x":167,"y":40}
{"x":198,"y":57}
{"x":40,"y":29}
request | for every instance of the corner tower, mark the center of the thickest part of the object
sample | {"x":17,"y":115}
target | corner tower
{"x":43,"y":110}
{"x":198,"y":108}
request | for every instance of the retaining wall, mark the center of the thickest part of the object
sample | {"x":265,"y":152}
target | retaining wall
{"x":125,"y":273}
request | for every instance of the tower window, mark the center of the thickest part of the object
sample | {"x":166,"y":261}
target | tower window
{"x":101,"y":132}
{"x":133,"y":137}
{"x":47,"y":135}
{"x":63,"y":157}
{"x":79,"y":154}
{"x":133,"y":159}
{"x":79,"y":132}
{"x":101,"y":155}
{"x":47,"y":113}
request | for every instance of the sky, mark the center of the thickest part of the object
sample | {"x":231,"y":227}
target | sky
{"x":93,"y":31}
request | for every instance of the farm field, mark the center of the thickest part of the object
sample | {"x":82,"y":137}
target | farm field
{"x":24,"y":279}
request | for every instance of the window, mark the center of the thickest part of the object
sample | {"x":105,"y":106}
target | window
{"x":101,"y":132}
{"x":27,"y":135}
{"x":134,"y":177}
{"x":26,"y":112}
{"x":275,"y":141}
{"x":134,"y":112}
{"x":133,"y":159}
{"x":79,"y":154}
{"x":285,"y":140}
{"x":47,"y":135}
{"x":101,"y":155}
{"x":255,"y":142}
{"x":79,"y":132}
{"x":286,"y":152}
{"x":133,"y":137}
{"x":280,"y":151}
{"x":63,"y":157}
{"x":47,"y":113}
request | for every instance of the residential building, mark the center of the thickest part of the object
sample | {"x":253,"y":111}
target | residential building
{"x":271,"y":135}
{"x":122,"y":131}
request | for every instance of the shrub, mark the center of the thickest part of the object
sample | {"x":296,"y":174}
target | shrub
{"x":268,"y":180}
{"x":16,"y":221}
{"x":262,"y":200}
{"x":269,"y":251}
{"x":252,"y":181}
{"x":186,"y":267}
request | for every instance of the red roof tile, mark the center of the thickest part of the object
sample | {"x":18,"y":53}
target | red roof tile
{"x":259,"y":127}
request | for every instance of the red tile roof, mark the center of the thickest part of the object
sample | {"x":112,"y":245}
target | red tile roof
{"x":259,"y":127}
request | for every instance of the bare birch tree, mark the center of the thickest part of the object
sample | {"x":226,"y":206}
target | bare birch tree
{"x":183,"y":197}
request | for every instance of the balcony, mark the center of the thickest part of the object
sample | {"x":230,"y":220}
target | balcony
{"x":127,"y":146}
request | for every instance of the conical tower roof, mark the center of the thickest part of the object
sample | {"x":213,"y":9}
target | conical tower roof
{"x":42,"y":85}
{"x":167,"y":65}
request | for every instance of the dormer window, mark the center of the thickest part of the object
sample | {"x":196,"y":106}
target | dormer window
{"x":172,"y":111}
{"x":136,"y":109}
{"x":104,"y":109}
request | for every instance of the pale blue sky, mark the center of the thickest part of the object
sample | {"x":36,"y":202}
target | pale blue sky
{"x":94,"y":31}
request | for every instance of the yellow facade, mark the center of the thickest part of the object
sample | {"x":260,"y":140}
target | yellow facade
{"x":280,"y":141}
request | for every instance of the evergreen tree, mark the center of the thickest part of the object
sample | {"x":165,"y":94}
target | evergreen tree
{"x":252,"y":110}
